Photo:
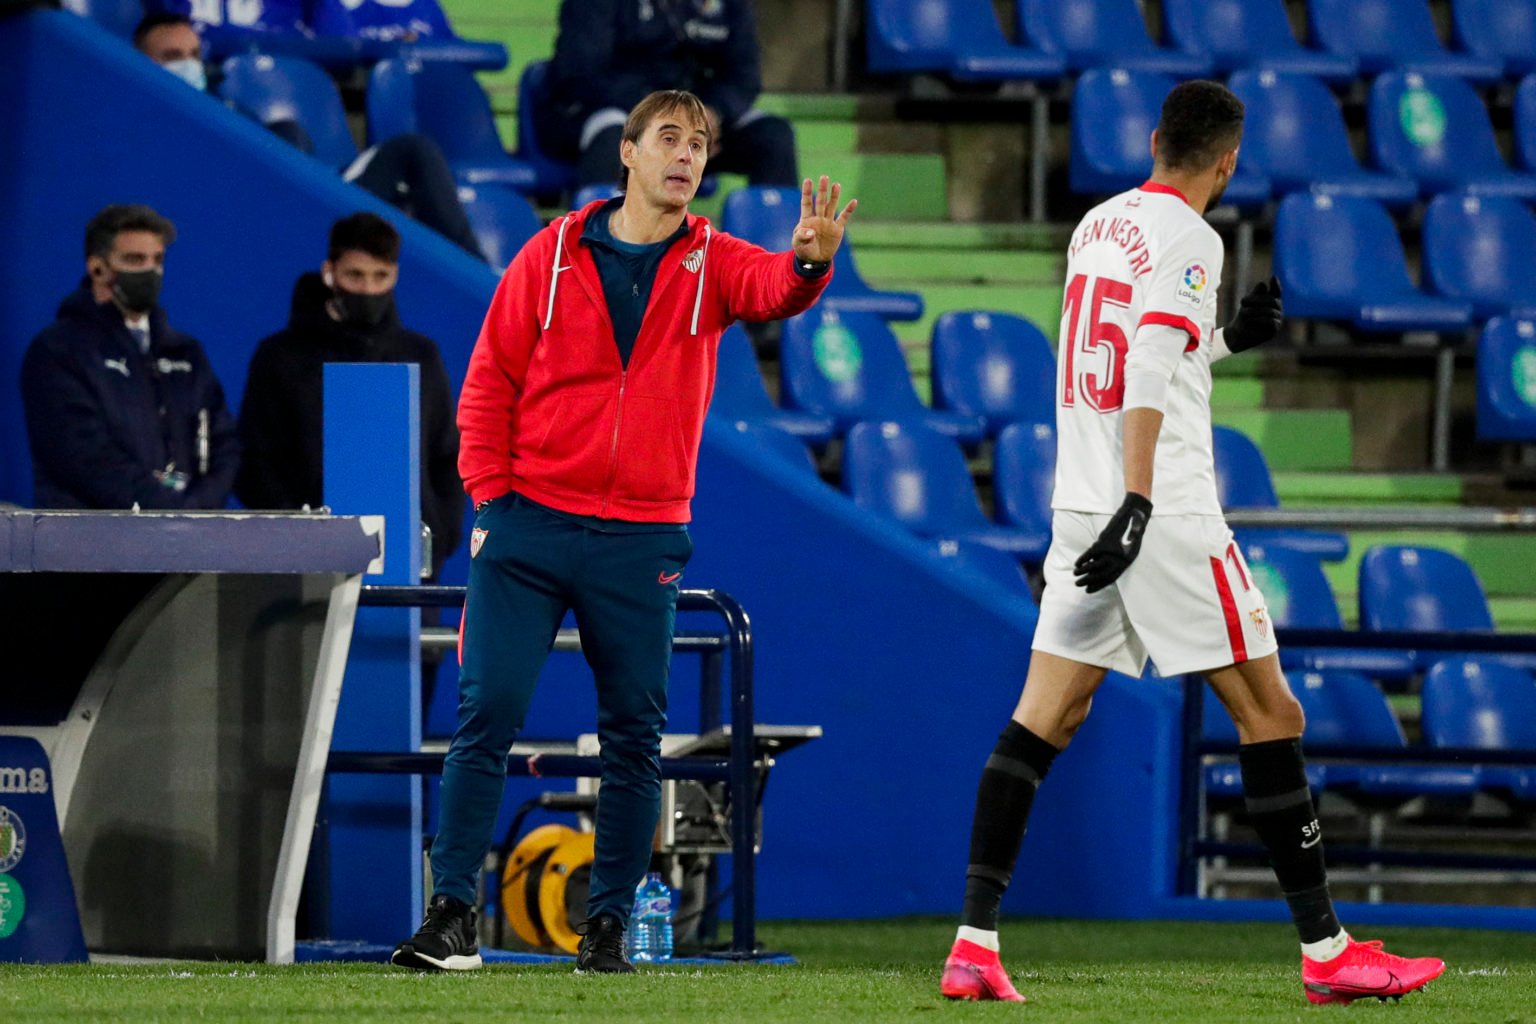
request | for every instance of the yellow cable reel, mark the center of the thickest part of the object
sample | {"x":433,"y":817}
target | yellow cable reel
{"x":535,"y":884}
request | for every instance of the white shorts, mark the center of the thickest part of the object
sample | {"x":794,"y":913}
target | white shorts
{"x":1188,"y":600}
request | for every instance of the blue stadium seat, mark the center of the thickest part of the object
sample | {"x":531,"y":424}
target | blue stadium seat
{"x":849,"y":366}
{"x":501,"y":219}
{"x":958,"y":38}
{"x":280,"y":28}
{"x":1421,"y":590}
{"x":448,"y":106}
{"x":993,"y":365}
{"x":1482,"y":250}
{"x":268,"y":89}
{"x":1497,"y":30}
{"x":1482,"y":704}
{"x":1506,"y":380}
{"x":1240,"y":34}
{"x":1525,"y":123}
{"x":116,"y":16}
{"x":1345,"y":709}
{"x":552,"y":175}
{"x":1386,"y":35}
{"x":1294,"y":134}
{"x":1102,"y":34}
{"x":783,"y":446}
{"x":766,"y":216}
{"x":1340,"y":258}
{"x":406,"y":28}
{"x":1435,"y":129}
{"x":741,"y":395}
{"x":1024,"y":475}
{"x":916,"y":476}
{"x":998,"y":566}
{"x":1113,"y":114}
{"x":1299,"y":597}
{"x":591,"y":194}
{"x":1243,"y":481}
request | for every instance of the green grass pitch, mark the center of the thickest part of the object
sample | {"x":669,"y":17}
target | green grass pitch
{"x":849,"y":971}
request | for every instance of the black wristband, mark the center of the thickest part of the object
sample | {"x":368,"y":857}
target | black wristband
{"x":809,"y":270}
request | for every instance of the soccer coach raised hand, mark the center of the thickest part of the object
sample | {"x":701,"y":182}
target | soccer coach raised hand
{"x":580,"y":423}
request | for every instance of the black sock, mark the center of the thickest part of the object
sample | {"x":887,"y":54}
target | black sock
{"x":1007,"y":790}
{"x":1281,"y":812}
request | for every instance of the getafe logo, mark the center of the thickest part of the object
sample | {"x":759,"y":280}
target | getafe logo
{"x":1191,"y":288}
{"x":20,"y":780}
{"x":1260,"y":623}
{"x":476,"y":539}
{"x":13,"y":839}
{"x":694,"y":260}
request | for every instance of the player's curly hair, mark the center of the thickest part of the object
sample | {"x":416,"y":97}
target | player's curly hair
{"x":1200,"y":121}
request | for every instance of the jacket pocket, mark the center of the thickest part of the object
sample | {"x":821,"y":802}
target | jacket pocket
{"x":575,"y":441}
{"x":655,"y":456}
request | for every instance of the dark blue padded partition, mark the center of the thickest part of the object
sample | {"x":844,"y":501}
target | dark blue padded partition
{"x":252,"y":212}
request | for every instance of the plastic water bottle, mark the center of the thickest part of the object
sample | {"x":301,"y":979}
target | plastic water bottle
{"x":650,"y":925}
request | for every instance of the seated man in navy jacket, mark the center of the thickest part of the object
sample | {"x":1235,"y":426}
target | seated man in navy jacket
{"x":121,"y":408}
{"x":611,"y":54}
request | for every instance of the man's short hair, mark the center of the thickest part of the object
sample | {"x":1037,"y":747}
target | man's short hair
{"x":158,"y":19}
{"x":652,"y":107}
{"x":102,"y":231}
{"x":365,"y":232}
{"x":1200,"y":121}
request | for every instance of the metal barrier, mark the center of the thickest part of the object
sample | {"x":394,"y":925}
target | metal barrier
{"x":739,"y":771}
{"x":1194,"y":848}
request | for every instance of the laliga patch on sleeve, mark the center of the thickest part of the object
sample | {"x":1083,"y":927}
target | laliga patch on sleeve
{"x":1192,"y":286}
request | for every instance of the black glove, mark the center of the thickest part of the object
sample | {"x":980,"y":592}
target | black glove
{"x":1258,"y":318}
{"x":1117,"y":547}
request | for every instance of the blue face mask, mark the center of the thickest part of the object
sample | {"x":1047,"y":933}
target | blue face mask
{"x":189,"y":70}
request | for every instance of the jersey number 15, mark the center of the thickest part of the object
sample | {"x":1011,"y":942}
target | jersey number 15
{"x":1094,"y":352}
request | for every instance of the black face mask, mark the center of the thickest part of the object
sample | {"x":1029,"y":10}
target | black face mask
{"x":138,"y":290}
{"x":362,"y":310}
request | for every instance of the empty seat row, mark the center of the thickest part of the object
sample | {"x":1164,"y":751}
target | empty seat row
{"x":1467,"y":703}
{"x":1428,"y":134}
{"x":338,"y":34}
{"x":963,"y":40}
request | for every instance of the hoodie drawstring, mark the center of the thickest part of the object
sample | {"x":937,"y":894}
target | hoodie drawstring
{"x":555,"y":270}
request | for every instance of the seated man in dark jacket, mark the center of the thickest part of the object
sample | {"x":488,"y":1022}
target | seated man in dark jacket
{"x":121,"y":408}
{"x":344,"y":314}
{"x":611,"y":54}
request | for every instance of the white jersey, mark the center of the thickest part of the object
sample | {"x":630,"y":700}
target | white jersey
{"x":1142,"y":260}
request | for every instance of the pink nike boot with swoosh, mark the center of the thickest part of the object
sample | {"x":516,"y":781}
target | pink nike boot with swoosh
{"x":1363,"y":970}
{"x":975,"y":972}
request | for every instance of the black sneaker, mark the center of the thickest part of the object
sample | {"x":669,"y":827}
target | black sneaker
{"x":602,"y":946}
{"x":445,"y":941}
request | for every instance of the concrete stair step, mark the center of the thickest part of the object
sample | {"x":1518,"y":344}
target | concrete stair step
{"x":1295,"y":439}
{"x":915,"y":268}
{"x":1237,"y":393}
{"x":1322,"y":490}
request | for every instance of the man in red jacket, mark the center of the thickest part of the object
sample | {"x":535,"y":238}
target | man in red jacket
{"x":579,"y":430}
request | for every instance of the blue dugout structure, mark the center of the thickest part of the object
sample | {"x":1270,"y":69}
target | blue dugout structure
{"x":911,"y":666}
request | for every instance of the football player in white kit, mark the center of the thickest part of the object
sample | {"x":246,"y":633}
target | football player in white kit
{"x":1142,"y":562}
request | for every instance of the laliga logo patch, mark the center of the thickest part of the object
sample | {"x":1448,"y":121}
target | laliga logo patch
{"x":694,"y":260}
{"x":1191,"y":287}
{"x":13,"y":839}
{"x":1260,"y":623}
{"x":476,"y":539}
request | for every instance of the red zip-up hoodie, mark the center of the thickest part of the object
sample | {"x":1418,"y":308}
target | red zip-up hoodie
{"x":549,"y":411}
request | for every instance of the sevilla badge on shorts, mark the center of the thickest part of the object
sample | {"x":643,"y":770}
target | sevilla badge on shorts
{"x":1260,"y":623}
{"x":476,"y":538}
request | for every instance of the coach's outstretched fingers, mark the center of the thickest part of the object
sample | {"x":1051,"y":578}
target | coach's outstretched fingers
{"x":819,"y":233}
